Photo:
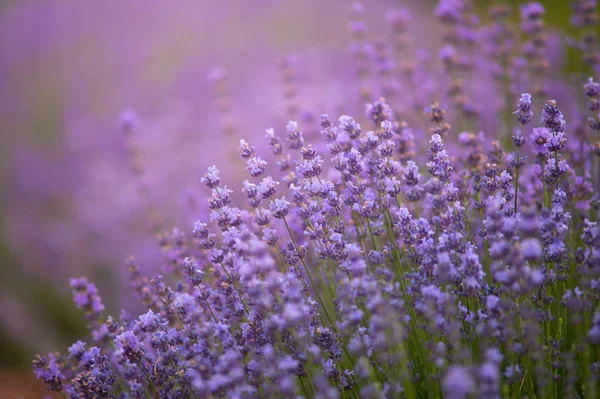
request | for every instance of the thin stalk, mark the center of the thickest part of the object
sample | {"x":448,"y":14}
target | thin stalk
{"x":211,"y":312}
{"x":368,"y":221}
{"x":209,"y":308}
{"x":236,"y":288}
{"x":486,"y":267}
{"x":309,"y":275}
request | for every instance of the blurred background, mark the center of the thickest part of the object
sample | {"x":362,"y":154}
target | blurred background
{"x":111,"y":111}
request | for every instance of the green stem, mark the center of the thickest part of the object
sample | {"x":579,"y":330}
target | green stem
{"x":236,"y":288}
{"x":211,"y":311}
{"x":287,"y":226}
{"x":486,"y":267}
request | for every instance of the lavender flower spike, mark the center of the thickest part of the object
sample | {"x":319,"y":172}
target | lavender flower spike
{"x":524,"y":112}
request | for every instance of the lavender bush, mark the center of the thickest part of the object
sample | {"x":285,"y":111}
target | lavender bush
{"x":400,"y":254}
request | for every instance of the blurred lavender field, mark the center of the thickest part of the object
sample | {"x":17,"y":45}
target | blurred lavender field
{"x":70,"y":202}
{"x":192,"y":78}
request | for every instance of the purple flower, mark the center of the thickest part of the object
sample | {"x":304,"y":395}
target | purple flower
{"x":274,"y":142}
{"x":191,"y":272}
{"x":556,"y":142}
{"x":280,"y":207}
{"x":532,"y":11}
{"x":77,"y":350}
{"x":378,"y":111}
{"x":96,"y":381}
{"x":592,"y":91}
{"x":48,"y":371}
{"x":310,"y":167}
{"x":85,"y":296}
{"x":552,"y":118}
{"x":531,"y":249}
{"x":295,"y":136}
{"x":448,"y":55}
{"x":449,"y":11}
{"x":377,"y":258}
{"x":267,"y":187}
{"x":211,"y":178}
{"x":524,"y":110}
{"x":458,"y":383}
{"x":256,"y":166}
{"x":246,"y":150}
{"x":128,"y":343}
{"x":439,"y":161}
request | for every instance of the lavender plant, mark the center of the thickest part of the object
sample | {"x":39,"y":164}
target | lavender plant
{"x":357,"y":276}
{"x":383,"y":260}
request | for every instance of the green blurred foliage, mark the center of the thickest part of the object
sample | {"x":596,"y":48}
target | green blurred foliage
{"x":43,"y":301}
{"x":557,"y":15}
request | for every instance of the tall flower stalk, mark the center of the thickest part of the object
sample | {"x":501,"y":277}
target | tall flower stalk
{"x":524,"y":116}
{"x":592,"y":92}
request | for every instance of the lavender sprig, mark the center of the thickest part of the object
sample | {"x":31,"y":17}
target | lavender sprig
{"x":524,"y":116}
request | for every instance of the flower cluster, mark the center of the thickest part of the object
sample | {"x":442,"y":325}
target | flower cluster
{"x":365,"y":265}
{"x":348,"y":291}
